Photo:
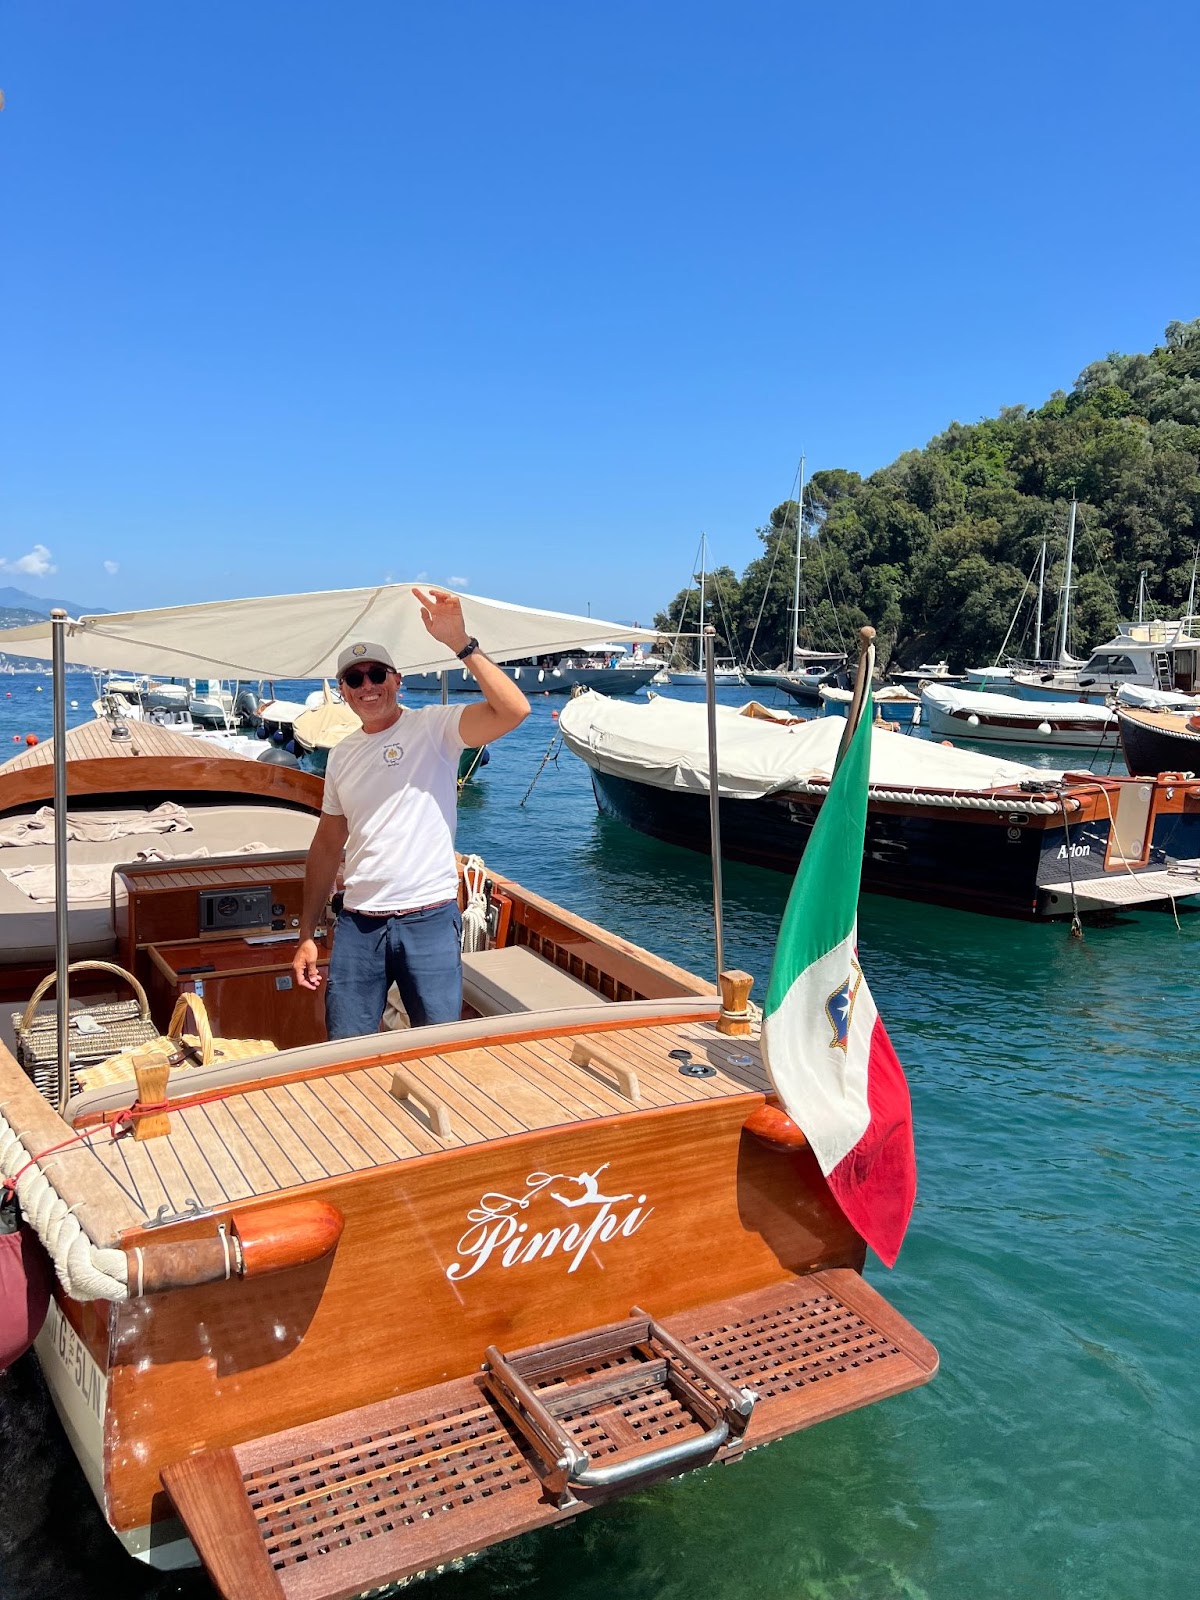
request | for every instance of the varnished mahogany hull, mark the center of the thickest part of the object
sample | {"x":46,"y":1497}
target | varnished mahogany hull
{"x":702,"y":1211}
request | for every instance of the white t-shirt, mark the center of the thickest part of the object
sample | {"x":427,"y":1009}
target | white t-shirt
{"x":398,"y":791}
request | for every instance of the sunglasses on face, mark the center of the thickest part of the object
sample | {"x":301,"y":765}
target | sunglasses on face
{"x":353,"y":676}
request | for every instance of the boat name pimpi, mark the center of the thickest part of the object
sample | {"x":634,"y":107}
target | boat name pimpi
{"x":495,"y":1229}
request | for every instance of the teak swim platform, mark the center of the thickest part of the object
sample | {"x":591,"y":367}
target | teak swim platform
{"x":367,"y":1307}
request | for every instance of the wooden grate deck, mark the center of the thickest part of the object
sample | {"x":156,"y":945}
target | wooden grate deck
{"x":259,"y":1140}
{"x":381,"y":1494}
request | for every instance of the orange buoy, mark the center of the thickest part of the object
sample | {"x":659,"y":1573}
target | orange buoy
{"x":31,"y":738}
{"x":554,"y":715}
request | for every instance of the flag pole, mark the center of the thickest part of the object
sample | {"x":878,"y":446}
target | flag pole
{"x":714,"y":783}
{"x":862,"y":682}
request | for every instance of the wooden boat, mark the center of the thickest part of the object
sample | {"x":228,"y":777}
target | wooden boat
{"x":340,"y":1314}
{"x":946,"y":826}
{"x":1157,"y":740}
{"x":1004,"y":719}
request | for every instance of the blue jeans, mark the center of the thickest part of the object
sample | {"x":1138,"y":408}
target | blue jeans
{"x":421,"y":953}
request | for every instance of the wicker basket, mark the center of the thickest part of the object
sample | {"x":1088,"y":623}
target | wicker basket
{"x":125,"y":1025}
{"x":195,"y":1047}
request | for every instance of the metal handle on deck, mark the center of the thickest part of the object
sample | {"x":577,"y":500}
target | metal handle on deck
{"x":670,"y":1455}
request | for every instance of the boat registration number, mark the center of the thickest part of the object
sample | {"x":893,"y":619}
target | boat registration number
{"x":81,"y":1386}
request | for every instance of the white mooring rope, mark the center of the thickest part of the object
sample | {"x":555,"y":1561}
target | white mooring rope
{"x":475,"y":915}
{"x":85,"y":1270}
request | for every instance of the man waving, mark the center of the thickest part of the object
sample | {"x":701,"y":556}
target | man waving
{"x":391,"y":798}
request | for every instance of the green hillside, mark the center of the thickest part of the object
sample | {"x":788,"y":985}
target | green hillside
{"x":935,"y":550}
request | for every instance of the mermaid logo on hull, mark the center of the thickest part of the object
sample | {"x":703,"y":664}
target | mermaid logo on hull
{"x":496,"y":1231}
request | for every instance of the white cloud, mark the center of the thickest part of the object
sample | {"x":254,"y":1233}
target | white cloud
{"x":458,"y":583}
{"x":422,"y":577}
{"x":37,"y":564}
{"x":112,"y":568}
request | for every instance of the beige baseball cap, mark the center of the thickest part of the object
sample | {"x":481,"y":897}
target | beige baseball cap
{"x":361,"y":652}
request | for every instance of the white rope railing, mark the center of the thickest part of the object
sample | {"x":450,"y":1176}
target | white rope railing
{"x":85,"y":1270}
{"x":941,"y":797}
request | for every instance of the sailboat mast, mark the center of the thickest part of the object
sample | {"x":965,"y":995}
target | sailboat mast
{"x":1037,"y":627}
{"x":799,"y":571}
{"x":703,"y":565}
{"x":1063,"y":633}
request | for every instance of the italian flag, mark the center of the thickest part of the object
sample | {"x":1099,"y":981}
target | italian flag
{"x":828,"y":1053}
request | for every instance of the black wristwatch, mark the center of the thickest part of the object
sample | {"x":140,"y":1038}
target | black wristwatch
{"x":468,"y":649}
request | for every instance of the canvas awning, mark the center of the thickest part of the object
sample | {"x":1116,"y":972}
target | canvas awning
{"x":300,"y":635}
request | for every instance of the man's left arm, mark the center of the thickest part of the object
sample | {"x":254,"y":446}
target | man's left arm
{"x":505,"y":706}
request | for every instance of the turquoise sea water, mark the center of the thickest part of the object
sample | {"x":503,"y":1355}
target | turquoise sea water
{"x":1050,"y":1259}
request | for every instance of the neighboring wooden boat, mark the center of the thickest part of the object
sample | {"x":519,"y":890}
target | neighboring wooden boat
{"x":946,"y":826}
{"x":1003,"y":719}
{"x":1154,"y":741}
{"x":366,"y":1307}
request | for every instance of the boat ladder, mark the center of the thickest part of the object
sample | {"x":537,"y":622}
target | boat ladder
{"x":376,"y":1495}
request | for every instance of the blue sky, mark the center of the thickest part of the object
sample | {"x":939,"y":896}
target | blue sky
{"x":525,"y":295}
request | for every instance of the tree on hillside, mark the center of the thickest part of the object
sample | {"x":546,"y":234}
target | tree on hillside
{"x":935,"y":549}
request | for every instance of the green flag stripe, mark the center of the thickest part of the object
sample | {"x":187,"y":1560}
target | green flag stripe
{"x":824,"y":899}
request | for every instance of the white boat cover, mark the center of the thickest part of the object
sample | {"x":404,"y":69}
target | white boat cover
{"x":301,"y":635}
{"x":665,"y":743}
{"x":986,"y":706}
{"x":1136,"y":694}
{"x":887,"y":694}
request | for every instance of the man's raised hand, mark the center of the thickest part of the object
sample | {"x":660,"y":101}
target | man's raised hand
{"x":442,"y":615}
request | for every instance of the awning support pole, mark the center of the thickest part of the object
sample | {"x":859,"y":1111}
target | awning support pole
{"x":714,"y":783}
{"x":62,"y":952}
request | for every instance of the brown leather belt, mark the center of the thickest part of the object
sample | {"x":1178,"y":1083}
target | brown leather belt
{"x":433,"y":905}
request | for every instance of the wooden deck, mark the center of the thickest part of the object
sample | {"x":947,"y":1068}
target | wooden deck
{"x":258,"y":1141}
{"x":93,"y":741}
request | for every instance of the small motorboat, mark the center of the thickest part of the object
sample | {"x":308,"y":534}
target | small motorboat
{"x":1003,"y":719}
{"x":893,"y":703}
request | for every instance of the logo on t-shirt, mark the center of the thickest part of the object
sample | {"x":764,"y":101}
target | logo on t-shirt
{"x":393,"y":754}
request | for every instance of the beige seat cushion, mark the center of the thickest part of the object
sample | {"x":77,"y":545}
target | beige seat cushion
{"x":514,"y":979}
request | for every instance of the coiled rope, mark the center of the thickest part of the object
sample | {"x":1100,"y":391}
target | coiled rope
{"x":85,"y":1270}
{"x":475,"y":913}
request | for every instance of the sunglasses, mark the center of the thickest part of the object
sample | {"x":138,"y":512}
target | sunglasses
{"x":353,"y":677}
